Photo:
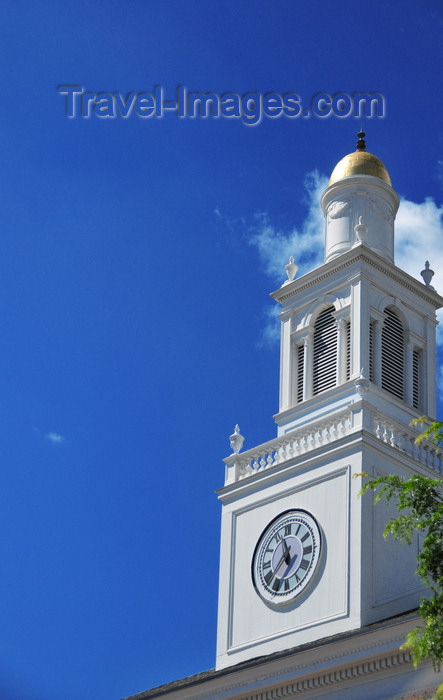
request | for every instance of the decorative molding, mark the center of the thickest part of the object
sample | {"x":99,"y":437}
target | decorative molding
{"x":313,"y":681}
{"x":337,"y":209}
{"x":359,"y":256}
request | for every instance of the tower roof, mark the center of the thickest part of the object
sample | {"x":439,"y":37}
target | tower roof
{"x":360,"y":162}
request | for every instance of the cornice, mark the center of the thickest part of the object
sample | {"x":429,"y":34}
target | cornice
{"x":343,"y":262}
{"x":322,"y":680}
{"x":325,"y":664}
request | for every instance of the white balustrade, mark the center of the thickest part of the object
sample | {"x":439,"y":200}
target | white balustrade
{"x":394,"y":434}
{"x":289,"y":447}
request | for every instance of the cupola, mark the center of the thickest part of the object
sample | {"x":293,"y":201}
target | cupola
{"x":359,"y":194}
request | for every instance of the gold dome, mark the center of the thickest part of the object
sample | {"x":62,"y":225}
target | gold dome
{"x":360,"y":163}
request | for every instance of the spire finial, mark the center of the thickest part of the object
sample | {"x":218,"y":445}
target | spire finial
{"x":361,"y":143}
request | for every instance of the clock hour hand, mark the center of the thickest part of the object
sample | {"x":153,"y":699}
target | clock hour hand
{"x":286,"y":553}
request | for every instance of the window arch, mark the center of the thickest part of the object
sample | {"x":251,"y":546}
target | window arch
{"x":325,"y":351}
{"x":393,"y":354}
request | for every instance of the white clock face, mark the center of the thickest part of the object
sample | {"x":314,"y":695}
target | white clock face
{"x":286,"y":557}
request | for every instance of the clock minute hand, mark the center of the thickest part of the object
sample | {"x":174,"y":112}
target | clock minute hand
{"x":282,"y":559}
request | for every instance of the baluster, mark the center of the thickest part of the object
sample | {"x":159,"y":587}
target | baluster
{"x":328,"y":435}
{"x":284,"y":454}
{"x":377,"y":429}
{"x":430,"y":458}
{"x":393,"y":438}
{"x":416,"y":451}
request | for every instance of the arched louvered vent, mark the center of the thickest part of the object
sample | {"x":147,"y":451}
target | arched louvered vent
{"x":300,"y":371}
{"x":392,"y":355}
{"x":325,"y":351}
{"x":416,"y":359}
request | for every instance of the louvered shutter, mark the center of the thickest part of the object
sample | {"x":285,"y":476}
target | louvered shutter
{"x":371,"y":351}
{"x":416,"y":358}
{"x":300,"y":371}
{"x":348,"y":350}
{"x":392,"y":355}
{"x":325,"y":351}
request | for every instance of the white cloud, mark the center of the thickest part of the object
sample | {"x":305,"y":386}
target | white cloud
{"x":271,"y":327}
{"x":418,"y":237}
{"x":305,"y":243}
{"x":55,"y":438}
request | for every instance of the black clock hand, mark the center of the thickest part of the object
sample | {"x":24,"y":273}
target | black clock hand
{"x":272,"y":579}
{"x":286,"y":553}
{"x":281,"y":561}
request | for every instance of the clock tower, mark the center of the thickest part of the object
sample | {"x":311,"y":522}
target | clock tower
{"x":302,"y":554}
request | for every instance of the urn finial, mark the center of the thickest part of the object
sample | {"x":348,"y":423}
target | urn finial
{"x":236,"y":440}
{"x":427,"y":274}
{"x":291,"y":270}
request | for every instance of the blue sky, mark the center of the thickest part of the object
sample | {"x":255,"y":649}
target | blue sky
{"x":136,"y":259}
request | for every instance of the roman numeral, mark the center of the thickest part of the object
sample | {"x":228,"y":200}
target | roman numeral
{"x":304,"y":564}
{"x":266,"y":564}
{"x":287,"y":530}
{"x":307,"y":550}
{"x":305,"y":536}
{"x":276,"y":585}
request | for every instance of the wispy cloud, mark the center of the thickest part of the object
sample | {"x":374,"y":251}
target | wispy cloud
{"x":305,"y":243}
{"x":55,"y":438}
{"x":418,"y":236}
